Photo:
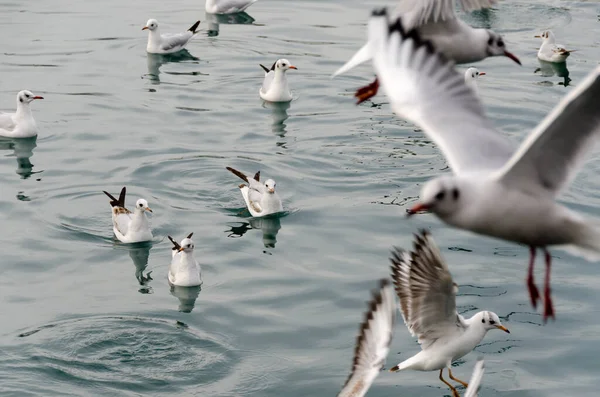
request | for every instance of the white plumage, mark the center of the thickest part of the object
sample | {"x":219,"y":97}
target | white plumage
{"x":20,"y":124}
{"x":227,"y":6}
{"x":275,"y":85}
{"x":167,"y":43}
{"x":261,"y":200}
{"x":128,"y":227}
{"x":550,"y":51}
{"x":184,"y":270}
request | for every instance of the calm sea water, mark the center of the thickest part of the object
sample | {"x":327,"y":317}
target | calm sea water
{"x":282,"y":298}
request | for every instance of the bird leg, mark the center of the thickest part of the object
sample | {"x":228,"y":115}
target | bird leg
{"x":534,"y":294}
{"x":465,"y":384}
{"x":548,"y":307}
{"x":454,"y":391}
{"x":366,"y":92}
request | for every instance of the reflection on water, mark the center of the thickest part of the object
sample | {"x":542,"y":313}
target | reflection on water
{"x":549,"y":69}
{"x":279,"y":115}
{"x":23,"y":150}
{"x":269,"y":225}
{"x":214,"y":20}
{"x":187,"y":297}
{"x":139,"y":254}
{"x":155,"y":62}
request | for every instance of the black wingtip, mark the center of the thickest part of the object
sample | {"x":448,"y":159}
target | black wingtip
{"x":238,"y":174}
{"x":257,"y":176}
{"x":194,"y":27}
{"x":190,"y":235}
{"x":379,"y":12}
{"x":176,"y":245}
{"x":266,"y":69}
{"x":114,"y":202}
{"x":396,"y":26}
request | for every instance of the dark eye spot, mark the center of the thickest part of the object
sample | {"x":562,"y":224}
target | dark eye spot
{"x":440,"y":196}
{"x":500,"y":43}
{"x":455,"y":194}
{"x":490,"y":41}
{"x":21,"y":99}
{"x":492,"y":322}
{"x":483,"y":320}
{"x":27,"y":95}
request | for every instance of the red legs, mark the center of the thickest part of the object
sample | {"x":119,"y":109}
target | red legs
{"x":465,"y":384}
{"x":548,"y":307}
{"x":454,"y":391}
{"x":366,"y":92}
{"x":534,"y":294}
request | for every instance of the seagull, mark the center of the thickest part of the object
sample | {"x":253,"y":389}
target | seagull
{"x":260,"y":199}
{"x":167,"y":43}
{"x":227,"y":6}
{"x":550,"y":51}
{"x":427,"y":296}
{"x":436,"y":21}
{"x":471,"y":76}
{"x":127,"y":227}
{"x":495,"y":190}
{"x":275,"y":86}
{"x":20,"y":124}
{"x":184,"y":270}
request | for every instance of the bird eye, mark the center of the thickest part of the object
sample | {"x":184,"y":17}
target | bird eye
{"x":141,"y":205}
{"x":500,"y":43}
{"x":483,"y":320}
{"x":439,"y":196}
{"x":492,"y":322}
{"x":455,"y":194}
{"x":27,"y":95}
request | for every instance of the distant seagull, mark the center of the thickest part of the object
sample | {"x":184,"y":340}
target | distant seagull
{"x":275,"y":85}
{"x":167,"y":43}
{"x":471,"y":76}
{"x":260,"y":199}
{"x":496,"y":190}
{"x":20,"y":124}
{"x":184,"y":270}
{"x":127,"y":227}
{"x":227,"y":6}
{"x":427,"y":297}
{"x":550,"y":51}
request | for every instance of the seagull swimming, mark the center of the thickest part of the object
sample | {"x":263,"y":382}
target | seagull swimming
{"x":550,"y":51}
{"x":184,"y":270}
{"x":275,"y":86}
{"x":227,"y":6}
{"x":20,"y":124}
{"x":471,"y":76}
{"x":127,"y":227}
{"x":496,"y":190}
{"x":260,"y":199}
{"x":427,"y":296}
{"x":167,"y":43}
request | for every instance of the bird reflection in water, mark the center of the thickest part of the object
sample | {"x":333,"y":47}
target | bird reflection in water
{"x":23,"y":150}
{"x":187,"y":297}
{"x":269,"y":225}
{"x":279,"y":115}
{"x":155,"y":62}
{"x":214,"y":20}
{"x":139,"y":253}
{"x":549,"y":69}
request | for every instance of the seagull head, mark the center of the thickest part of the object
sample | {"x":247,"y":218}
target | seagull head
{"x":473,"y":73}
{"x":496,"y":46}
{"x":442,"y":196}
{"x":187,"y":245}
{"x":283,"y":65}
{"x":270,"y":185}
{"x":152,"y":24}
{"x":142,"y":206}
{"x":26,"y":97}
{"x":546,"y":35}
{"x":490,"y":320}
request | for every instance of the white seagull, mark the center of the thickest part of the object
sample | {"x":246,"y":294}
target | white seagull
{"x":550,"y":51}
{"x":184,"y":270}
{"x":20,"y":124}
{"x":227,"y":6}
{"x":496,"y":190}
{"x":275,"y":86}
{"x":471,"y":76}
{"x":260,"y":199}
{"x":127,"y":227}
{"x":427,"y":296}
{"x":167,"y":43}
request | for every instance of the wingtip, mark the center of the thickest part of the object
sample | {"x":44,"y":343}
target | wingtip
{"x":266,"y":69}
{"x":394,"y":369}
{"x":194,"y":27}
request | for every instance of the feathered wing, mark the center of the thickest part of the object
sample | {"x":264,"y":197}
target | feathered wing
{"x":426,"y":291}
{"x":420,"y":12}
{"x":121,"y":221}
{"x":266,"y":84}
{"x":231,"y":6}
{"x":425,"y":89}
{"x":7,"y":121}
{"x":476,"y":378}
{"x":175,"y":41}
{"x":373,"y":342}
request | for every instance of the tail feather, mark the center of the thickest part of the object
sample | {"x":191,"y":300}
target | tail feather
{"x":194,"y":27}
{"x":587,"y":245}
{"x":120,"y":202}
{"x":266,"y":69}
{"x":176,"y":245}
{"x":238,"y":173}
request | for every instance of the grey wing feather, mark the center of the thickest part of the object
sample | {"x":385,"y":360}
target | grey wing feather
{"x":420,"y":12}
{"x":172,"y":41}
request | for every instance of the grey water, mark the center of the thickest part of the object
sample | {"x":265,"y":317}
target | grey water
{"x":278,"y":313}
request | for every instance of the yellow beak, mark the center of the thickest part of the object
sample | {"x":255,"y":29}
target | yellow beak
{"x":503,"y":328}
{"x":148,"y":209}
{"x":537,"y":36}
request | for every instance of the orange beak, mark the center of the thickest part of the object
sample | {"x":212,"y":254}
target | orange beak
{"x":417,"y":208}
{"x":145,"y":28}
{"x":148,"y":209}
{"x":293,"y":67}
{"x":482,"y":73}
{"x":511,"y":56}
{"x":537,"y":36}
{"x":180,"y":249}
{"x":38,"y":97}
{"x":503,"y":328}
{"x":271,"y":191}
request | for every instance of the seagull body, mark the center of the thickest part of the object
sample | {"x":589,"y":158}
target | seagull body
{"x":184,"y":270}
{"x":261,"y":200}
{"x":227,"y":6}
{"x":128,"y":227}
{"x":436,"y":21}
{"x":167,"y":43}
{"x":20,"y":124}
{"x":471,"y":76}
{"x":427,"y":296}
{"x":550,"y":51}
{"x":496,"y":190}
{"x":275,"y":85}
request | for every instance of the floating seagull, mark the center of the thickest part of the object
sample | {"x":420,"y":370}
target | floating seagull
{"x":227,"y":6}
{"x":496,"y":190}
{"x":184,"y":270}
{"x":260,"y":199}
{"x":275,"y":86}
{"x":167,"y":43}
{"x":127,"y":227}
{"x":550,"y":51}
{"x":20,"y":124}
{"x":373,"y":342}
{"x":471,"y":76}
{"x":427,"y":296}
